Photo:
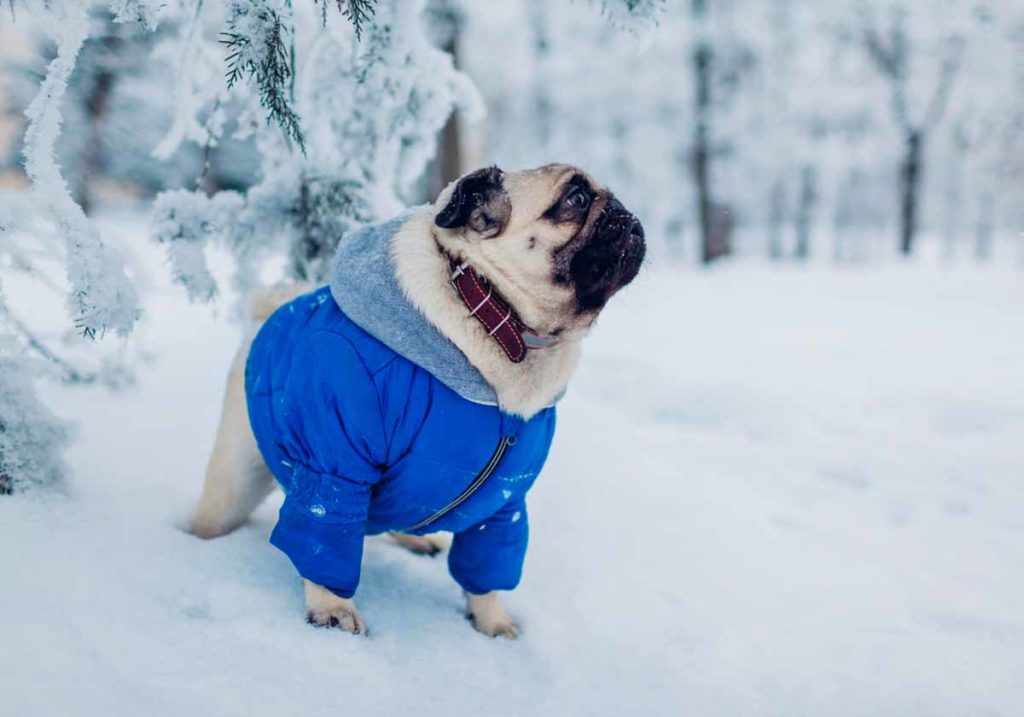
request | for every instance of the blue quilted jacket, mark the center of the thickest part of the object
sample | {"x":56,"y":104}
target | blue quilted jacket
{"x":364,"y":440}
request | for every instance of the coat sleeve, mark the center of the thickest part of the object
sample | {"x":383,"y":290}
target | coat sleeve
{"x":489,"y":555}
{"x":331,"y":432}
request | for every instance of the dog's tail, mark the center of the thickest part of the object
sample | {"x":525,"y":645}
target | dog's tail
{"x":237,"y":479}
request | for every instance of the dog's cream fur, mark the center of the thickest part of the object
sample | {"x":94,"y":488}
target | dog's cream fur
{"x":423,"y":273}
{"x":518,"y":265}
{"x":237,"y":479}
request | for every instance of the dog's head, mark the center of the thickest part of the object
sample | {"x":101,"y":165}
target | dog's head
{"x":554,"y":242}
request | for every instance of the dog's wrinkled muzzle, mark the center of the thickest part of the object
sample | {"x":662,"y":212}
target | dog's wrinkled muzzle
{"x":612,"y":257}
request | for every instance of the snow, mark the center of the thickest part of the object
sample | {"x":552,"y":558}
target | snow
{"x":773,"y":491}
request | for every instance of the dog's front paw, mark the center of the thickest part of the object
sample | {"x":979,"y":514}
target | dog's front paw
{"x":341,"y":617}
{"x":505,"y":627}
{"x":489,"y":617}
{"x":325,"y":609}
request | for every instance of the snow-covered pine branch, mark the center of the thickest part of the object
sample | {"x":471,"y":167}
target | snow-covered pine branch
{"x":145,"y":12}
{"x":371,"y":106}
{"x":199,"y":88}
{"x":358,"y":12}
{"x":100,"y":295}
{"x":259,"y":36}
{"x":184,"y":221}
{"x":32,"y":438}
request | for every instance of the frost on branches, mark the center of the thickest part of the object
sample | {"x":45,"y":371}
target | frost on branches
{"x":144,"y":12}
{"x":260,"y":40}
{"x":100,"y":295}
{"x":365,"y":102}
{"x":32,"y":439}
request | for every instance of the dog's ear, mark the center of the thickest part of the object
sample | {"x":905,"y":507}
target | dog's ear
{"x":479,"y":202}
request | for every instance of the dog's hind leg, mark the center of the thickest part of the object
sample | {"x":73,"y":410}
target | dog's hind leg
{"x":237,"y":479}
{"x":430,"y":544}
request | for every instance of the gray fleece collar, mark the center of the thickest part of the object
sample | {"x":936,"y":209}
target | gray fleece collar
{"x":364,"y":285}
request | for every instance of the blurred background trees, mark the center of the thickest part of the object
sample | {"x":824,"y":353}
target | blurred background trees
{"x":781,"y":128}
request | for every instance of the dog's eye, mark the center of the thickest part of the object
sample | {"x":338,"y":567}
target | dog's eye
{"x":577,"y":199}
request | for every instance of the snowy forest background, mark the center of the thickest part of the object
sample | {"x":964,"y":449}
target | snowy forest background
{"x":787,"y":474}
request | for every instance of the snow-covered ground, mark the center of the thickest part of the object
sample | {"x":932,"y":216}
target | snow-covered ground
{"x":774,"y":491}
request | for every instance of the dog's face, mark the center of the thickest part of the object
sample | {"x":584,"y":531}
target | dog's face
{"x":554,"y":242}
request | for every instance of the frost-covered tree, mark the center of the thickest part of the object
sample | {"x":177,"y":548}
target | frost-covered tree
{"x":32,"y":439}
{"x":946,"y":65}
{"x":349,"y":136}
{"x":795,"y":138}
{"x":980,"y":149}
{"x":917,"y":106}
{"x":100,"y":297}
{"x":115,"y":111}
{"x":719,"y":62}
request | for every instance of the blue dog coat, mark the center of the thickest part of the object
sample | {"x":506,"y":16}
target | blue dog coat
{"x":372,"y":421}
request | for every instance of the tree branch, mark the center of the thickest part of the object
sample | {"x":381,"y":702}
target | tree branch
{"x":950,"y":68}
{"x":69,"y":374}
{"x":891,"y":60}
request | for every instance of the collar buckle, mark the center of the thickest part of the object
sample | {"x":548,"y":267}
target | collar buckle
{"x":458,"y":271}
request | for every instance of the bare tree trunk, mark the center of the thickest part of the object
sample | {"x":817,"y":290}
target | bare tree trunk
{"x":713,"y":243}
{"x":892,"y":57}
{"x":910,"y":189}
{"x":96,"y":107}
{"x":953,"y":197}
{"x":985,"y":229}
{"x":808,"y":199}
{"x":702,"y":61}
{"x":449,"y":163}
{"x":842,"y":220}
{"x":777,"y":210}
{"x":542,"y":104}
{"x":308,"y":251}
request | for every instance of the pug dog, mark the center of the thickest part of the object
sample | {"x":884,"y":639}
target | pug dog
{"x":415,"y":394}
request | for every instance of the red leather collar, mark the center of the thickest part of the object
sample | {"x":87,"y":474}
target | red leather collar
{"x":495,"y":314}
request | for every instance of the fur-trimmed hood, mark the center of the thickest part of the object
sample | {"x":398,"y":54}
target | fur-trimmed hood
{"x":366,"y":282}
{"x":364,"y":285}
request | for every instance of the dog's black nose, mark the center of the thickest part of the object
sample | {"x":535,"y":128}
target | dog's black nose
{"x":637,"y":229}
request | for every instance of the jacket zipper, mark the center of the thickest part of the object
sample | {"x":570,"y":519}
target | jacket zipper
{"x":481,"y":478}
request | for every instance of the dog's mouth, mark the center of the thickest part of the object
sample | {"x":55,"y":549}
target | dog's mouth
{"x":610,"y":259}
